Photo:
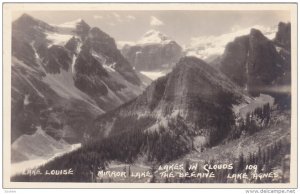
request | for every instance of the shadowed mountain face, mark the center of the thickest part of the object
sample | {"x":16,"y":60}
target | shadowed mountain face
{"x":258,"y":64}
{"x":153,"y":52}
{"x":65,"y":76}
{"x":98,"y":49}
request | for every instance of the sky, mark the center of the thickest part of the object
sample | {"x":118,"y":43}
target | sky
{"x":181,"y":26}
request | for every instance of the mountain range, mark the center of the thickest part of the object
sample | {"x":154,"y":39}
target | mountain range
{"x":83,"y":89}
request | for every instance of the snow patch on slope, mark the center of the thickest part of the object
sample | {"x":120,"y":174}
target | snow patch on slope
{"x":73,"y":63}
{"x":78,"y":49}
{"x":150,"y":37}
{"x":153,"y":75}
{"x":58,"y":39}
{"x":102,"y":60}
{"x":154,"y":37}
{"x":26,"y":99}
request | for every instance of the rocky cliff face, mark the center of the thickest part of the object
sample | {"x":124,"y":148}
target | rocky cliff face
{"x":283,"y":35}
{"x":257,"y":63}
{"x":154,"y":51}
{"x":64,"y":76}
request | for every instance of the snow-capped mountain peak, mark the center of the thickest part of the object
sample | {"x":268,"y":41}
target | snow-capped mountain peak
{"x":154,"y":37}
{"x":154,"y":51}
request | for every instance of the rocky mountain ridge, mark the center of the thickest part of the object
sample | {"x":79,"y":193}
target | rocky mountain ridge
{"x":65,"y":76}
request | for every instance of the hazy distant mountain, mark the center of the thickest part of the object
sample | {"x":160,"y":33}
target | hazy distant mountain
{"x":153,"y":52}
{"x":64,"y":76}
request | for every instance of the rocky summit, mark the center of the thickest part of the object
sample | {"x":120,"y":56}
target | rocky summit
{"x":153,"y":52}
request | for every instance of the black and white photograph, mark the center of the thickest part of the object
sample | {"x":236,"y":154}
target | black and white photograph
{"x":187,"y":95}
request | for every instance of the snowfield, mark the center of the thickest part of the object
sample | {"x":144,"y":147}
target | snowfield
{"x":150,"y":37}
{"x":58,"y":39}
{"x":154,"y":37}
{"x":206,"y":46}
{"x":153,"y":75}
